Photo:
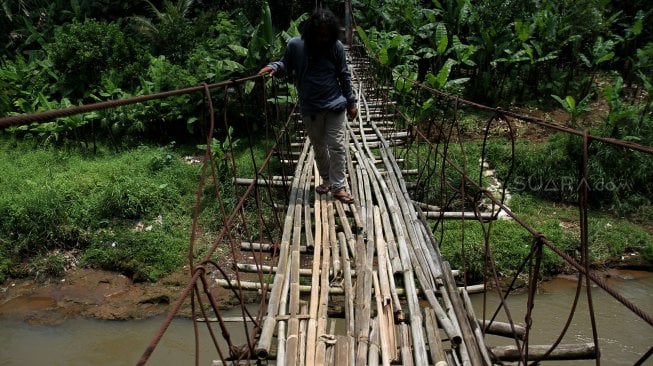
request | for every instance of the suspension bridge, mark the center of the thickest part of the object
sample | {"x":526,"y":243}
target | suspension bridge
{"x":365,"y":283}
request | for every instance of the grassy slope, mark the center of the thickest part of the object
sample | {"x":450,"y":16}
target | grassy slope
{"x":55,"y":202}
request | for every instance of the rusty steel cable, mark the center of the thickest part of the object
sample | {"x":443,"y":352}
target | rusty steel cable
{"x":583,"y":198}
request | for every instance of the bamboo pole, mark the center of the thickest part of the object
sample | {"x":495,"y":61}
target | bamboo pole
{"x":353,"y":181}
{"x":459,"y":309}
{"x":315,"y":279}
{"x":268,"y":323}
{"x":427,"y":207}
{"x":461,"y":355}
{"x":406,"y":355}
{"x":342,"y":351}
{"x":308,"y":225}
{"x":303,"y":323}
{"x":253,"y":268}
{"x":365,"y":283}
{"x":393,"y":253}
{"x":320,"y":352}
{"x":478,"y":333}
{"x":435,"y":342}
{"x":361,"y":198}
{"x":349,"y":298}
{"x":384,"y":332}
{"x":502,"y":329}
{"x":381,"y":250}
{"x":335,"y":248}
{"x":580,"y":351}
{"x":292,"y":341}
{"x":263,"y":247}
{"x":346,"y":228}
{"x":293,"y":323}
{"x":264,"y":182}
{"x":457,"y":215}
{"x":257,"y":286}
{"x":373,"y":349}
{"x":281,"y":328}
{"x":361,"y":326}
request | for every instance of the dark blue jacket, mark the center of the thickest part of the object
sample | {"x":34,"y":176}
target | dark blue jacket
{"x":323,"y":83}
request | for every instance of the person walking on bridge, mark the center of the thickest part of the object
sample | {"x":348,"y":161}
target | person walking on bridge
{"x":317,"y":60}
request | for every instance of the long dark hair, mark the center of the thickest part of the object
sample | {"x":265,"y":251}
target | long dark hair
{"x":311,"y":30}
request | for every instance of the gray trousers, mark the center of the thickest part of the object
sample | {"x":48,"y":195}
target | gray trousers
{"x":326,"y":130}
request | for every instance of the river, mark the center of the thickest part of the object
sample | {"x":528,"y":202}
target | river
{"x":623,"y":336}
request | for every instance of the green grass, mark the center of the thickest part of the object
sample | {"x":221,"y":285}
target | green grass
{"x":97,"y":205}
{"x":68,"y":200}
{"x":609,"y":238}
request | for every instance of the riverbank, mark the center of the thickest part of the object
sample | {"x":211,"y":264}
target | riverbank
{"x":108,"y":295}
{"x":96,"y":294}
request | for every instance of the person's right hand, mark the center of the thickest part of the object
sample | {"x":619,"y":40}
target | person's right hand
{"x":267,"y":70}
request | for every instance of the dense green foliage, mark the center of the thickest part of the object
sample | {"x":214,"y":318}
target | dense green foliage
{"x":100,"y":182}
{"x":504,"y":51}
{"x":580,"y":56}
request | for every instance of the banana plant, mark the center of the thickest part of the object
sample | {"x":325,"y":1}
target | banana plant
{"x":574,"y":109}
{"x":602,"y":51}
{"x":262,"y":41}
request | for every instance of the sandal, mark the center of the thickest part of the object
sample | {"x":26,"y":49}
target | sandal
{"x":323,"y":188}
{"x":343,"y":196}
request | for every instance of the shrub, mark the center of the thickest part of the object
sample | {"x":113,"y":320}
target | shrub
{"x":53,"y":200}
{"x":82,"y":52}
{"x":550,"y":170}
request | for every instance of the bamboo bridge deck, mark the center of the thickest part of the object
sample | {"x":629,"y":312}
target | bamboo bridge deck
{"x":364,"y":284}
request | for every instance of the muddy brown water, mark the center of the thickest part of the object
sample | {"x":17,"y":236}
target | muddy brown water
{"x":623,"y":337}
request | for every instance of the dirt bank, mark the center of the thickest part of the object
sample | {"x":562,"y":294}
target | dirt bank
{"x":96,"y":294}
